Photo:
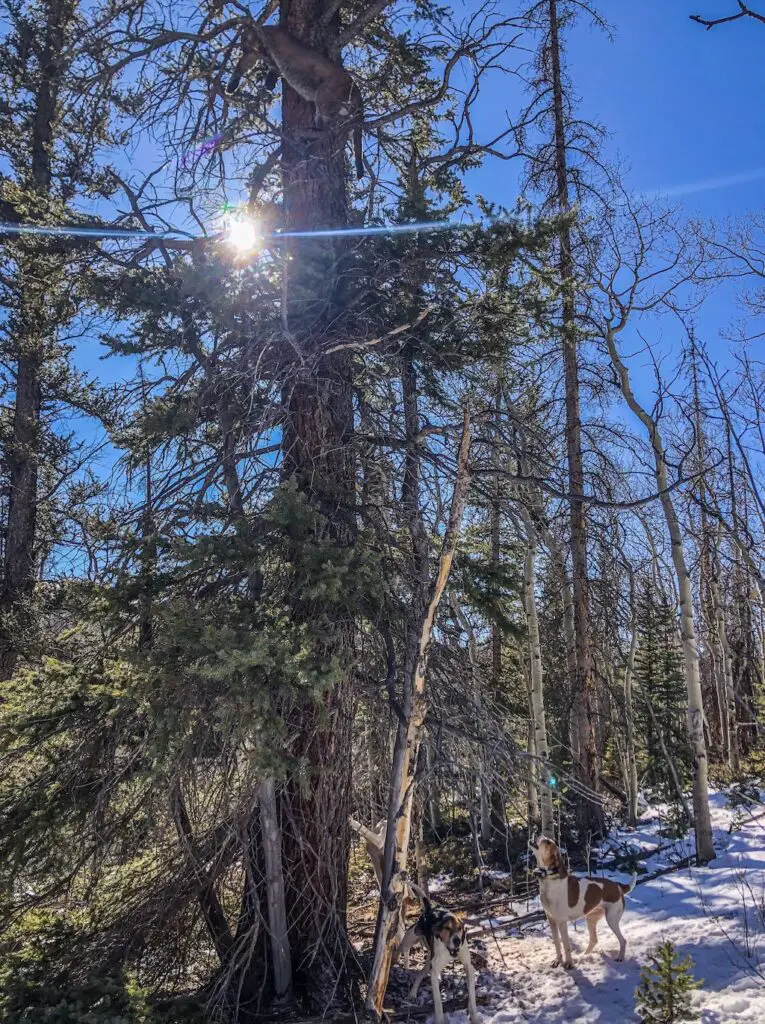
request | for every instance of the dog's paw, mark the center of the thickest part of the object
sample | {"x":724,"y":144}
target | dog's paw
{"x":555,"y":963}
{"x":568,"y":965}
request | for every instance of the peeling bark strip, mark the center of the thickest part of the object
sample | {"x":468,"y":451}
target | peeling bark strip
{"x":705,"y":850}
{"x":408,"y":740}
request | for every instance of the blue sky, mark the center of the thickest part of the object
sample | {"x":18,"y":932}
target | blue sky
{"x":684,"y":114}
{"x":682,"y":104}
{"x":683,"y":107}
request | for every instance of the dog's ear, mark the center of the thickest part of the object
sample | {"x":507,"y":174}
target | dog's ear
{"x":560,"y":863}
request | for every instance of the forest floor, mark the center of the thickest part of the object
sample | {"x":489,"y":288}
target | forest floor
{"x":716,"y":914}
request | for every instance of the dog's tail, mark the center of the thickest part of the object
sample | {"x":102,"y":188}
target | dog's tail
{"x":628,"y":888}
{"x":421,"y":895}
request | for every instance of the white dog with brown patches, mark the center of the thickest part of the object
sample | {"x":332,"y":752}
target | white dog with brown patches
{"x":567,"y":898}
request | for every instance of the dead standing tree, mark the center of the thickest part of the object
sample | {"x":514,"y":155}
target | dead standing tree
{"x":412,"y":709}
{"x":558,"y":171}
{"x":646,"y":265}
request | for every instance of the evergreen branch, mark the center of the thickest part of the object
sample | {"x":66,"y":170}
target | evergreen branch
{"x":357,"y":27}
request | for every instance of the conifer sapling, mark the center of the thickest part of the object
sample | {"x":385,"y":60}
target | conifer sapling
{"x":666,"y":983}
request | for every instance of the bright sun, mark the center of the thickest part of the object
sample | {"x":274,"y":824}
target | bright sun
{"x":242,"y":234}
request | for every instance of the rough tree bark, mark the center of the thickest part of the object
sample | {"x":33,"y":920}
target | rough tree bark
{"x":30,"y":329}
{"x":695,"y":718}
{"x":319,"y":462}
{"x":590,"y":816}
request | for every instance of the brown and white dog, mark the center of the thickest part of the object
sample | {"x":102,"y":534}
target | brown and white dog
{"x":443,"y":935}
{"x":567,"y":898}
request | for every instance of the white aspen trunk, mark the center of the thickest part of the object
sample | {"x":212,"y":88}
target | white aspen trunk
{"x":407,"y":747}
{"x":536,"y":679}
{"x":632,"y":779}
{"x":277,"y":911}
{"x":532,"y":783}
{"x":695,"y":716}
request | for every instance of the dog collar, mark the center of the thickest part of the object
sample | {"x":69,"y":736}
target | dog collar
{"x":542,"y":873}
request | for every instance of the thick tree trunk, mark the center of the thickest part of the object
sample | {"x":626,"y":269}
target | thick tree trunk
{"x":22,"y":458}
{"x":30,"y":330}
{"x":590,"y":816}
{"x":695,"y":716}
{"x":318,"y":460}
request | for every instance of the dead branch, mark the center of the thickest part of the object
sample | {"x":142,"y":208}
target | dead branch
{"x":744,"y":12}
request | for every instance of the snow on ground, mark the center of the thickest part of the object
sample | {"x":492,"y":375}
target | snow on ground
{"x":716,"y":914}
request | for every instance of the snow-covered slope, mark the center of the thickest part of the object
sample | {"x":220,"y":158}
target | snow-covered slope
{"x":716,"y":914}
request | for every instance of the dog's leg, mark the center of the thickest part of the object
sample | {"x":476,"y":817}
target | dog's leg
{"x":470,"y":974}
{"x":563,"y":928}
{"x":614,"y":913}
{"x":437,"y":965}
{"x":556,"y":939}
{"x":404,"y":946}
{"x":592,"y":927}
{"x":418,"y":980}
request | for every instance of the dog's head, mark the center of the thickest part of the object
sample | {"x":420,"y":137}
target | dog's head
{"x":549,"y":858}
{"x":451,"y":931}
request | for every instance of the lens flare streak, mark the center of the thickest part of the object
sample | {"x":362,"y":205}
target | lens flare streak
{"x":75,"y":231}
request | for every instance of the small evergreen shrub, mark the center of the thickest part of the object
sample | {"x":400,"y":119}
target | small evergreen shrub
{"x":34,"y":990}
{"x":666,"y":983}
